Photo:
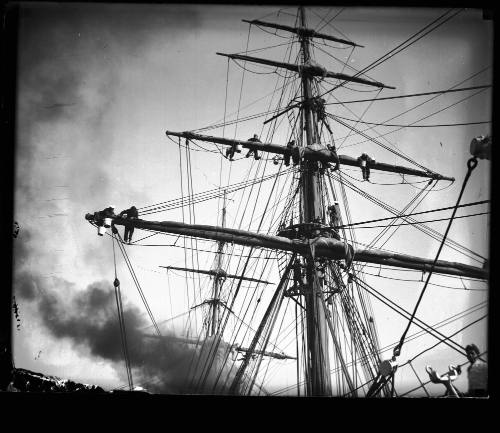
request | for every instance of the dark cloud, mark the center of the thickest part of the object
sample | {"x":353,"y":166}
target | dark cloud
{"x":88,"y":318}
{"x":25,"y":286}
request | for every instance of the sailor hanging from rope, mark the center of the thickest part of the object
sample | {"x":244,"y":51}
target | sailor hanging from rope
{"x":255,"y":139}
{"x":364,"y":162}
{"x":131,"y":213}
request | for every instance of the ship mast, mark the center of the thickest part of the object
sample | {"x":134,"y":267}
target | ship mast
{"x":318,"y":377}
{"x":313,"y":246}
{"x":218,"y":278}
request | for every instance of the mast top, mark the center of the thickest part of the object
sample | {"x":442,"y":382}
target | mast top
{"x":303,"y":31}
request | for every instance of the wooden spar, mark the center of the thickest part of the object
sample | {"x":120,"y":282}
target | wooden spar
{"x":307,"y":69}
{"x":214,"y":273}
{"x":301,"y":31}
{"x":318,"y":376}
{"x":310,"y":154}
{"x":324,"y":247}
{"x":197,"y":342}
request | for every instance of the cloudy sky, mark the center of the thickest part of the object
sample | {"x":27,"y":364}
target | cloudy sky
{"x":99,"y":84}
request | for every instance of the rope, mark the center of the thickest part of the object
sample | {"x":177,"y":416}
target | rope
{"x":138,"y":286}
{"x":440,"y":92}
{"x":426,"y":221}
{"x":471,"y":165}
{"x":395,"y":51}
{"x":411,"y":125}
{"x":121,"y":321}
{"x":414,"y":213}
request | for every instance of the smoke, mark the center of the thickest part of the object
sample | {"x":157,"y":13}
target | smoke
{"x":71,"y":71}
{"x":88,"y":319}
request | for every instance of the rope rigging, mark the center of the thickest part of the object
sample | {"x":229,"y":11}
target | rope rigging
{"x":423,"y":103}
{"x":423,"y":228}
{"x":471,"y":165}
{"x":411,"y":125}
{"x":121,"y":321}
{"x":402,"y":46}
{"x":386,"y":98}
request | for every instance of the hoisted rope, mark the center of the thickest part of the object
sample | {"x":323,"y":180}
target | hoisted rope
{"x":138,"y":286}
{"x":471,"y":165}
{"x":121,"y":320}
{"x":387,"y":374}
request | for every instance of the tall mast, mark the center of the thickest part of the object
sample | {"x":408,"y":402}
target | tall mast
{"x":218,"y":278}
{"x":318,"y":377}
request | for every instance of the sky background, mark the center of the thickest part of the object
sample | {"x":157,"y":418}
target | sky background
{"x":99,"y":84}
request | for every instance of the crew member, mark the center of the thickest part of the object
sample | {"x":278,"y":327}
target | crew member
{"x":295,"y":155}
{"x":477,"y":373}
{"x":334,"y":156}
{"x":320,"y":109}
{"x":290,"y":145}
{"x":104,"y":216}
{"x":297,"y":273}
{"x":231,"y":150}
{"x":131,"y":213}
{"x":334,"y":214}
{"x":255,"y":139}
{"x":364,"y":162}
{"x":108,"y":212}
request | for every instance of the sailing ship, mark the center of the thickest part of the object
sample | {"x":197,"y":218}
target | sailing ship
{"x":286,"y":291}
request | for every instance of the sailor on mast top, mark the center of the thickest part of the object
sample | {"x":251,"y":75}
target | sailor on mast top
{"x":131,"y":213}
{"x":255,"y":138}
{"x":364,"y":162}
{"x":287,"y":155}
{"x":231,"y":150}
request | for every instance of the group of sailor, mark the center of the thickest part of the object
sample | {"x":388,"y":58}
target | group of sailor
{"x":106,"y":216}
{"x":326,"y":155}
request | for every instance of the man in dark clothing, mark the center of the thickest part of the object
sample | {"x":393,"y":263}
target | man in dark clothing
{"x":231,"y":150}
{"x":320,"y":109}
{"x":105,"y":215}
{"x":295,"y":151}
{"x":255,"y":138}
{"x":297,"y":273}
{"x":477,"y":373}
{"x":364,"y":162}
{"x":109,"y":212}
{"x":131,"y":213}
{"x":288,"y":154}
{"x":335,"y":157}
